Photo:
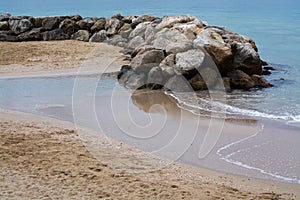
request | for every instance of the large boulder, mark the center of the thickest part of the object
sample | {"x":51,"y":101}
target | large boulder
{"x":34,"y":34}
{"x":260,"y":81}
{"x":240,"y":80}
{"x":99,"y":37}
{"x":135,"y":42}
{"x":69,"y":26}
{"x":8,"y":36}
{"x":189,"y":61}
{"x":82,"y":35}
{"x":20,"y":26}
{"x":136,"y":81}
{"x":50,"y":23}
{"x":57,"y":34}
{"x":152,"y":56}
{"x":86,"y":23}
{"x":4,"y":26}
{"x":246,"y":58}
{"x":140,"y":19}
{"x":117,"y":40}
{"x":38,"y":22}
{"x":178,"y":47}
{"x":156,"y":79}
{"x":113,"y":25}
{"x":98,"y":25}
{"x":169,"y":21}
{"x":178,"y":83}
{"x":4,"y":16}
{"x":167,"y":65}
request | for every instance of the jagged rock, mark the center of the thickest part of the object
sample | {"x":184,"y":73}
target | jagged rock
{"x":34,"y":34}
{"x":197,"y":82}
{"x":4,"y":26}
{"x":117,"y":16}
{"x":169,"y":21}
{"x":188,"y":61}
{"x":20,"y":26}
{"x":118,"y":40}
{"x":38,"y":22}
{"x":86,"y":23}
{"x":269,"y":68}
{"x":141,"y":49}
{"x":152,"y":56}
{"x":135,"y":42}
{"x":128,"y":19}
{"x":145,"y":68}
{"x":136,"y":81}
{"x":178,"y":83}
{"x":76,"y":18}
{"x":178,"y":47}
{"x":82,"y":35}
{"x":240,"y":80}
{"x":167,"y":65}
{"x":125,"y":30}
{"x":217,"y":48}
{"x":112,"y":26}
{"x":69,"y":26}
{"x":164,"y":37}
{"x":260,"y":81}
{"x":99,"y":25}
{"x":141,"y":19}
{"x":226,"y":82}
{"x":246,"y":58}
{"x":8,"y":36}
{"x":99,"y":37}
{"x":57,"y":34}
{"x":50,"y":23}
{"x":4,"y":16}
{"x":156,"y":78}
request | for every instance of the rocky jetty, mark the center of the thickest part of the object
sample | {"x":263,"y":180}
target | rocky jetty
{"x":174,"y":52}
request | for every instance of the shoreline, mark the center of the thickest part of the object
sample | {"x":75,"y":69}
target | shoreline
{"x":181,"y":175}
{"x":233,"y":186}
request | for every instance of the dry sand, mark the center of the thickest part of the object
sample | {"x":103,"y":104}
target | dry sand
{"x":43,"y":158}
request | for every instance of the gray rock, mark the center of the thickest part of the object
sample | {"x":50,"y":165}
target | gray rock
{"x":99,"y":25}
{"x":50,"y":23}
{"x":82,"y":35}
{"x":112,"y":26}
{"x":152,"y":56}
{"x":145,"y":68}
{"x":76,"y":18}
{"x":57,"y":34}
{"x":178,"y":47}
{"x":125,"y":30}
{"x":141,"y":19}
{"x":99,"y":37}
{"x":69,"y":26}
{"x":141,"y":49}
{"x":4,"y":16}
{"x":135,"y":42}
{"x":169,"y":21}
{"x":188,"y":61}
{"x":226,"y":82}
{"x":8,"y":36}
{"x":164,"y":37}
{"x":20,"y":26}
{"x":117,"y":40}
{"x":136,"y":81}
{"x":128,"y":19}
{"x":167,"y":65}
{"x":139,"y":30}
{"x":86,"y":23}
{"x":117,"y":16}
{"x":247,"y":59}
{"x":240,"y":80}
{"x":178,"y":83}
{"x":260,"y":81}
{"x":197,"y":82}
{"x":155,"y":78}
{"x":38,"y":22}
{"x":34,"y":34}
{"x":4,"y":26}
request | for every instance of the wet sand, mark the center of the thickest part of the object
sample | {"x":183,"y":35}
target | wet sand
{"x":47,"y":158}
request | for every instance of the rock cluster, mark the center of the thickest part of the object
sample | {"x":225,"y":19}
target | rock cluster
{"x":173,"y":52}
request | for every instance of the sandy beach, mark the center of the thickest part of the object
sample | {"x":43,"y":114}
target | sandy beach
{"x":44,"y":158}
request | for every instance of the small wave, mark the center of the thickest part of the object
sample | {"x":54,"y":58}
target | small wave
{"x":46,"y":106}
{"x":228,"y":159}
{"x":208,"y":108}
